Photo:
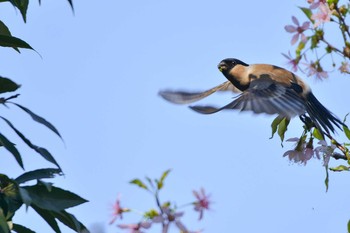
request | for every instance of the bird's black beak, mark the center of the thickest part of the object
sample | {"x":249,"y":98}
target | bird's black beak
{"x":222,"y":66}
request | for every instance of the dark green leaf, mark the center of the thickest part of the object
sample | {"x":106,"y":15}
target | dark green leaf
{"x":38,"y":174}
{"x":39,"y":119}
{"x":71,"y":4}
{"x":48,"y":185}
{"x":349,"y":226}
{"x":27,"y":200}
{"x":7,"y":85}
{"x":40,"y":150}
{"x":308,"y":13}
{"x":139,"y":183}
{"x":4,"y":228}
{"x":274,"y":125}
{"x":4,"y":30}
{"x":10,"y":196}
{"x":21,"y":229}
{"x":70,"y":221}
{"x":22,"y":5}
{"x":56,"y":200}
{"x":160,"y":183}
{"x":48,"y":217}
{"x":14,"y":42}
{"x":12,"y":149}
{"x":340,"y":168}
{"x":282,"y":128}
{"x":46,"y":155}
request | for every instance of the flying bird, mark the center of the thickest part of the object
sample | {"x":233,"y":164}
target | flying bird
{"x":263,"y":88}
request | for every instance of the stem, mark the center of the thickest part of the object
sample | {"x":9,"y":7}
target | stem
{"x":165,"y":228}
{"x":340,"y":147}
{"x":164,"y":225}
{"x":333,"y":48}
{"x":342,"y":22}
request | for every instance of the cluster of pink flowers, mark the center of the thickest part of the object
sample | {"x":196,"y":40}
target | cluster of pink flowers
{"x":166,"y":216}
{"x":323,"y":15}
{"x":319,"y":13}
{"x":304,"y":151}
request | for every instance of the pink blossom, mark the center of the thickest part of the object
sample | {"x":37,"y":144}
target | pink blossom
{"x":117,"y":211}
{"x":135,"y":228}
{"x":302,"y":152}
{"x":168,"y":216}
{"x":323,"y":15}
{"x":325,"y":150}
{"x":298,"y":29}
{"x":313,"y":68}
{"x":293,"y":62}
{"x":202,"y":202}
{"x":344,"y":68}
{"x":314,"y":4}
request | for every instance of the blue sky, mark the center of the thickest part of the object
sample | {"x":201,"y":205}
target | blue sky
{"x":97,"y":82}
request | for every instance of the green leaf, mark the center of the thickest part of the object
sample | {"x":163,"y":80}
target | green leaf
{"x":70,"y":221}
{"x":48,"y":217}
{"x":282,"y":128}
{"x":39,"y":119}
{"x":56,"y":200}
{"x":139,"y":183}
{"x":340,"y":168}
{"x":349,"y":226}
{"x":151,"y":214}
{"x":10,"y":197}
{"x":326,"y":181}
{"x":21,"y":229}
{"x":12,"y":149}
{"x":4,"y":228}
{"x":7,"y":85}
{"x":38,"y":174}
{"x":308,"y":13}
{"x":150,"y":181}
{"x":346,"y":131}
{"x":316,"y":133}
{"x":160,"y":183}
{"x":14,"y":42}
{"x":274,"y":125}
{"x":40,"y":150}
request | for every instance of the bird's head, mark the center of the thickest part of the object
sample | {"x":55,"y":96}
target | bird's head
{"x":227,"y":64}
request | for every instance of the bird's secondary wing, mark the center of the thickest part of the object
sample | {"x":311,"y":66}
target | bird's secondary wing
{"x":185,"y":97}
{"x":263,"y":96}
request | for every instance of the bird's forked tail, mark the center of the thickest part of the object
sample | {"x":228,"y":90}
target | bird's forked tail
{"x":323,"y":119}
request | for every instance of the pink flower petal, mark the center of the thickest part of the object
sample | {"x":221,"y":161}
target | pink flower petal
{"x":295,"y":20}
{"x":303,"y":38}
{"x":305,"y":25}
{"x":295,"y":39}
{"x":290,"y":28}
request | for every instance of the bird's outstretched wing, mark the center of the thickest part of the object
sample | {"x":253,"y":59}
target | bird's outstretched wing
{"x":185,"y":97}
{"x":264,"y":96}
